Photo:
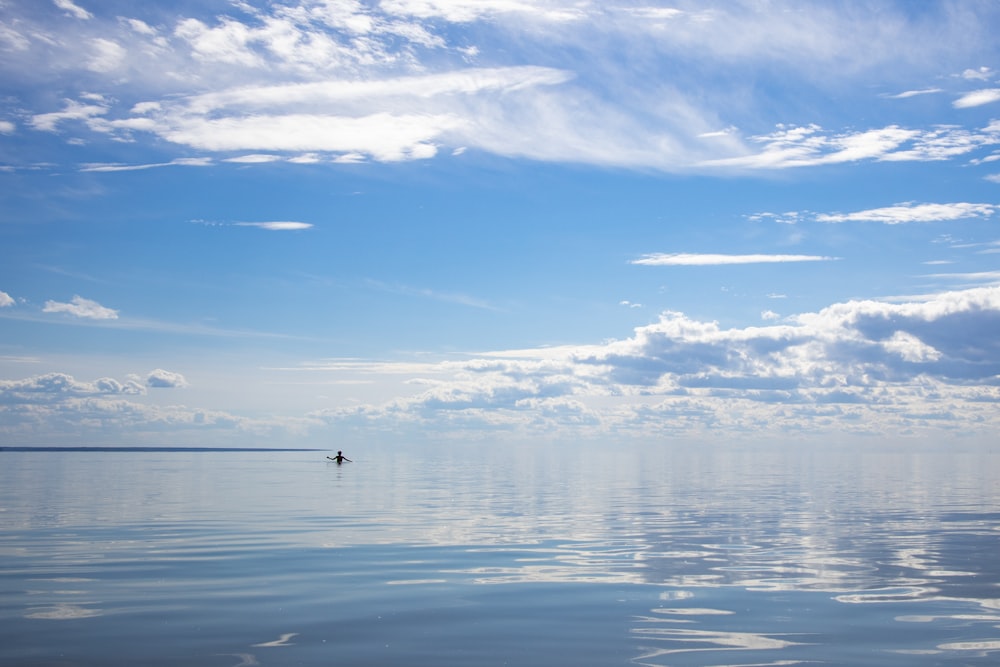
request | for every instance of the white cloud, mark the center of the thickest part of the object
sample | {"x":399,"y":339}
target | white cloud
{"x":347,"y":118}
{"x":880,"y":362}
{"x":107,"y":56}
{"x":909,"y":212}
{"x":227,"y":43}
{"x":80,"y":307}
{"x":5,"y":300}
{"x":256,"y":158}
{"x":464,"y":11}
{"x":390,"y":81}
{"x":980,"y":74}
{"x":140,"y":27}
{"x":179,"y":162}
{"x":914,"y":93}
{"x":277,"y":226}
{"x":810,"y":146}
{"x":56,"y":407}
{"x":72,"y":110}
{"x":162,"y":379}
{"x":7,"y":127}
{"x":384,"y":136}
{"x":72,"y":9}
{"x":977,"y":98}
{"x":709,"y":259}
{"x":53,"y":387}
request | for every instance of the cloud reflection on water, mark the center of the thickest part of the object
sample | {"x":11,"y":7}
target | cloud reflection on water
{"x":740,"y":547}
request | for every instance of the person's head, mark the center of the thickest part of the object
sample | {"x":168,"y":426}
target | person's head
{"x":339,"y":452}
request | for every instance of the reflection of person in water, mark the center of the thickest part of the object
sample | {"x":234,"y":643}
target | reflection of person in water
{"x":340,"y":458}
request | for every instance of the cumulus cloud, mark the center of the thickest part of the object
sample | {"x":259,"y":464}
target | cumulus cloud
{"x":873,"y":358}
{"x":709,"y":259}
{"x":83,"y":308}
{"x":53,"y":387}
{"x":6,"y":300}
{"x":161,"y":379}
{"x":56,"y":407}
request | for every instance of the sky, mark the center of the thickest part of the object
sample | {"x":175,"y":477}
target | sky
{"x":326,"y":223}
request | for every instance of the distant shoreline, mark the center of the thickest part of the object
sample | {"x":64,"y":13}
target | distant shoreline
{"x":77,"y":448}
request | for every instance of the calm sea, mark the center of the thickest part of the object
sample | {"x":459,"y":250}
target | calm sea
{"x":472,"y":556}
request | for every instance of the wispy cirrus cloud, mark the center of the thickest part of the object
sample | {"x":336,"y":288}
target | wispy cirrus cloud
{"x":713,"y":259}
{"x":977,"y":98}
{"x":911,"y":212}
{"x":906,"y":94}
{"x":811,"y":146}
{"x":277,"y":226}
{"x":897,"y":214}
{"x":72,"y":9}
{"x":402,"y":80}
{"x":178,"y":162}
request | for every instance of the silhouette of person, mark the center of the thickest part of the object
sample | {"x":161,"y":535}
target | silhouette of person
{"x":340,"y":458}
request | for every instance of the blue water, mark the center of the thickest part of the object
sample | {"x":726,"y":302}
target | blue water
{"x":465,"y":555}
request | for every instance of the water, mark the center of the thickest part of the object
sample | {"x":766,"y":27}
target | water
{"x":464,"y":555}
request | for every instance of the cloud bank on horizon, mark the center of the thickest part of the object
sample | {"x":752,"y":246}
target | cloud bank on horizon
{"x":463,"y":194}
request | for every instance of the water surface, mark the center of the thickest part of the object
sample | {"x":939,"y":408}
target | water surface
{"x":465,"y":555}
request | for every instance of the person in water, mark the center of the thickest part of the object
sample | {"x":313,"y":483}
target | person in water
{"x":340,"y":458}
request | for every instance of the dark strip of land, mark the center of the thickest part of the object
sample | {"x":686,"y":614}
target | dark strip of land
{"x":76,"y":448}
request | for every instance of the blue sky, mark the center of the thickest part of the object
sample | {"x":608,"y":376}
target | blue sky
{"x":325,"y":223}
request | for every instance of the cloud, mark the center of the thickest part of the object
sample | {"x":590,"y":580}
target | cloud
{"x":392,"y":81}
{"x":161,"y":379}
{"x":277,"y":226}
{"x":53,"y":387}
{"x":178,"y":162}
{"x":73,"y":10}
{"x":56,"y":407}
{"x":977,"y":98}
{"x":426,"y":293}
{"x":914,"y":93}
{"x":909,"y":212}
{"x":6,"y":300}
{"x":7,"y":127}
{"x":875,"y":363}
{"x":465,"y":11}
{"x":708,"y":259}
{"x":80,"y":307}
{"x":981,"y":74}
{"x":107,"y":55}
{"x":810,"y":146}
{"x":72,"y":110}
